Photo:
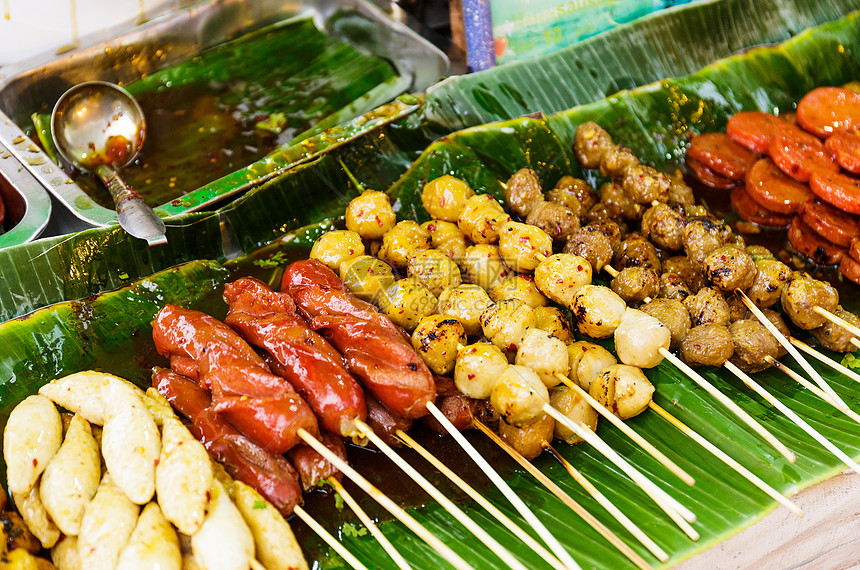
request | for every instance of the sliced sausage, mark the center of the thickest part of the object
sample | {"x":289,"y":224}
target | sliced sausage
{"x":830,"y":223}
{"x":825,"y":110}
{"x":844,"y":147}
{"x":721,"y":154}
{"x":754,"y":129}
{"x":850,"y":268}
{"x":773,"y":189}
{"x":798,"y":154}
{"x":837,"y":189}
{"x":751,"y":211}
{"x":708,"y":177}
{"x":809,"y":243}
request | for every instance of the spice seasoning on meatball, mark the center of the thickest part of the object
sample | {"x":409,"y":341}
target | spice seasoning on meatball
{"x":753,"y":343}
{"x":730,"y":268}
{"x":523,"y":192}
{"x":664,"y":227}
{"x":590,"y":143}
{"x":707,"y":345}
{"x":708,"y":307}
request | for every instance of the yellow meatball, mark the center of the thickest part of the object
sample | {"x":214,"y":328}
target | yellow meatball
{"x":623,"y":389}
{"x":545,"y":355}
{"x":597,"y":310}
{"x":483,"y":266}
{"x":335,"y":247}
{"x":403,"y":241}
{"x":552,"y":320}
{"x":477,"y":368}
{"x":445,"y":197}
{"x":561,"y":276}
{"x":434,"y":269}
{"x":519,"y":395}
{"x":366,"y":276}
{"x":447,"y":238}
{"x":465,"y":303}
{"x":520,"y":287}
{"x":576,"y":409}
{"x":436,"y":339}
{"x":523,"y":246}
{"x":505,"y":323}
{"x":482,"y":218}
{"x":587,"y":360}
{"x":528,"y":440}
{"x":406,"y":302}
{"x":370,"y":215}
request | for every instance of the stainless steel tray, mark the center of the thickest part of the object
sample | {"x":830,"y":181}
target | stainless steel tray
{"x":39,"y":82}
{"x":28,"y":206}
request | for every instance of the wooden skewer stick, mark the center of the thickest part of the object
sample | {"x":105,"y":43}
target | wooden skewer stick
{"x":628,"y":431}
{"x":610,"y":507}
{"x":484,"y":503}
{"x":825,"y":360}
{"x":837,"y":320}
{"x":443,"y":549}
{"x":572,"y":504}
{"x":257,"y":565}
{"x":610,"y":270}
{"x":549,"y":539}
{"x":730,"y":404}
{"x":722,"y":456}
{"x":371,"y":526}
{"x":329,"y":539}
{"x":811,"y":387}
{"x":789,"y":413}
{"x":791,"y":350}
{"x":491,"y":543}
{"x":855,"y":342}
{"x":676,"y":511}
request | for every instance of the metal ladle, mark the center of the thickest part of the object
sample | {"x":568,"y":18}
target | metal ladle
{"x":99,"y":127}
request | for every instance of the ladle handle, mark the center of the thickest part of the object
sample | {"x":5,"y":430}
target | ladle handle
{"x":133,"y":214}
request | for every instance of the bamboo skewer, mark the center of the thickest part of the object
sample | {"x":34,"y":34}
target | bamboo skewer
{"x":725,"y":458}
{"x":855,"y":342}
{"x":610,"y":507}
{"x":825,"y":360}
{"x":837,"y":320}
{"x":791,"y":350}
{"x":811,"y":387}
{"x":371,"y":526}
{"x":731,"y":405}
{"x":676,"y":511}
{"x":484,"y":503}
{"x":567,"y":499}
{"x":789,"y":413}
{"x":549,"y":539}
{"x":329,"y":539}
{"x":491,"y":543}
{"x":443,"y":549}
{"x":628,"y":431}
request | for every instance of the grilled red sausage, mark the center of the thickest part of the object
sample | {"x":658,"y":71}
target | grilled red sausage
{"x":376,"y":351}
{"x":384,"y":423}
{"x":313,"y":467}
{"x":184,"y":332}
{"x":315,"y":369}
{"x":271,"y":422}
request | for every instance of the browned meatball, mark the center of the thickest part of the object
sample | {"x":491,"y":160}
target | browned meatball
{"x":603,"y":212}
{"x":616,"y":161}
{"x":523,"y":192}
{"x":696,"y":211}
{"x":681,"y":265}
{"x":673,"y":287}
{"x":701,"y":237}
{"x":636,"y":251}
{"x":771,"y":278}
{"x":590,"y":143}
{"x":613,"y":194}
{"x":707,"y":345}
{"x":664,"y":227}
{"x":730,"y":268}
{"x":592,"y":244}
{"x":753,"y":344}
{"x":646,"y":184}
{"x":634,"y":284}
{"x":611,"y":230}
{"x":673,"y":314}
{"x":780,"y":325}
{"x":707,"y":307}
{"x":574,"y":193}
{"x":679,"y":191}
{"x":555,"y":219}
{"x":737,"y":309}
{"x":833,"y":337}
{"x":802,"y":294}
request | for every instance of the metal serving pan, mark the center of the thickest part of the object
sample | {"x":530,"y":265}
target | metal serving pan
{"x":28,"y":206}
{"x":37,"y":83}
